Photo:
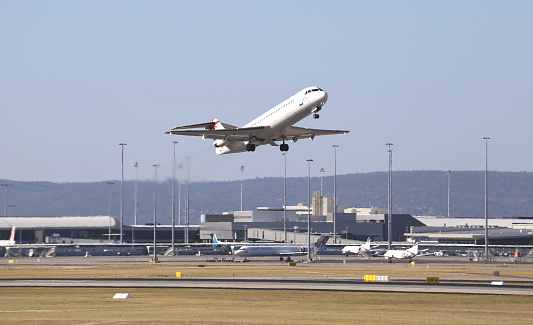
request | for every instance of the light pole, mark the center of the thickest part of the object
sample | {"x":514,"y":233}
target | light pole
{"x":5,"y":197}
{"x":322,"y":171}
{"x":187,"y":194}
{"x":335,"y":197}
{"x":389,"y":219}
{"x":449,"y":173}
{"x":285,"y":197}
{"x":135,"y":194}
{"x":242,"y":179}
{"x":155,"y":210}
{"x":309,"y":161}
{"x":173,"y":195}
{"x":110,"y":199}
{"x":122,"y":196}
{"x":486,"y":198}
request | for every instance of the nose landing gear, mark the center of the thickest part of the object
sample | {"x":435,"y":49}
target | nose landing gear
{"x":250,"y":147}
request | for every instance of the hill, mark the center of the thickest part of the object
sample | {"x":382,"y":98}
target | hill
{"x":414,"y":192}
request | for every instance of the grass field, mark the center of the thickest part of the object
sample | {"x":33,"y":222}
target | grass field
{"x":129,"y":270}
{"x":200,"y":306}
{"x":195,"y":306}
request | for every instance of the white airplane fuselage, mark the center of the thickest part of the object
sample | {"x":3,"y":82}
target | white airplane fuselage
{"x":402,"y":253}
{"x":271,"y":251}
{"x":276,"y":120}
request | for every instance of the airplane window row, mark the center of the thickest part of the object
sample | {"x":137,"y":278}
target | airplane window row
{"x":268,"y":115}
{"x":311,"y":90}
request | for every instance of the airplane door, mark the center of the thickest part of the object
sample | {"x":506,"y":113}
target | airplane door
{"x":304,"y":100}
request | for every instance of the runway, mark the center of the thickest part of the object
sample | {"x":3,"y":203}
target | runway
{"x":483,"y":288}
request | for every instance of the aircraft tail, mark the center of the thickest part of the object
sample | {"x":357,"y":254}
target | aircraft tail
{"x":12,"y":238}
{"x":414,"y":249}
{"x":214,"y":239}
{"x":218,"y":143}
{"x":217,"y":125}
{"x":321,"y":242}
{"x":366,"y":245}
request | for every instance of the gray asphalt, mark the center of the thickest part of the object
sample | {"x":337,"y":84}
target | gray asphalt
{"x":274,"y":284}
{"x":450,"y":286}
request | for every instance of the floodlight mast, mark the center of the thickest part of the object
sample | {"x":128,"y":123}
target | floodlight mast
{"x":309,"y":161}
{"x":389,"y":219}
{"x":486,"y":198}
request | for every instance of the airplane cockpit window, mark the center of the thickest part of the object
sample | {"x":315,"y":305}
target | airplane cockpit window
{"x":311,"y":90}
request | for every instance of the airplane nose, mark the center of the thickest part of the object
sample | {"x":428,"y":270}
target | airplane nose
{"x":324,"y":99}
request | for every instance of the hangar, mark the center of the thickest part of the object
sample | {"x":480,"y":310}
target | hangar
{"x":87,"y":230}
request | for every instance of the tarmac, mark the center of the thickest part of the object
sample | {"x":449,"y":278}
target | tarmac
{"x":522,"y":285}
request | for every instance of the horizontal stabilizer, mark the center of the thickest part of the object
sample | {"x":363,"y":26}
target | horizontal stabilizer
{"x":241,"y":134}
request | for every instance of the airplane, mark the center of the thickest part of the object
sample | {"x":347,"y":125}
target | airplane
{"x":214,"y":239}
{"x":403,"y":253}
{"x":10,"y":241}
{"x":358,"y":249}
{"x":277,"y":124}
{"x":282,"y":251}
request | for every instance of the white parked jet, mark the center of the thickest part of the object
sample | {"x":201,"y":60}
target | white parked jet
{"x":274,"y":125}
{"x":282,"y":251}
{"x":402,"y":253}
{"x":10,"y":241}
{"x":358,"y":249}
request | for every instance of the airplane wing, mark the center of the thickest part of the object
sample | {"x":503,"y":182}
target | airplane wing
{"x":236,"y":134}
{"x":291,"y":253}
{"x":232,"y":133}
{"x":295,"y":133}
{"x":208,"y":125}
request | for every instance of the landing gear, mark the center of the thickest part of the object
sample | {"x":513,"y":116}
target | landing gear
{"x":316,"y":116}
{"x":250,"y":147}
{"x":284,"y":146}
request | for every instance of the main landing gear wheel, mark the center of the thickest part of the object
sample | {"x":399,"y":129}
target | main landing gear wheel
{"x":250,"y":147}
{"x":284,"y":147}
{"x":316,"y":116}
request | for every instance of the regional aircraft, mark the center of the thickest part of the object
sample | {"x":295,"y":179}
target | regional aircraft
{"x":282,"y":251}
{"x":363,"y":249}
{"x":10,"y":241}
{"x":402,"y":253}
{"x":274,"y":125}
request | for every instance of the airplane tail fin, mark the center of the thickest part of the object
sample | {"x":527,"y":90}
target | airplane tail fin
{"x":12,"y":238}
{"x":367,"y":244}
{"x":321,"y":242}
{"x":218,"y":143}
{"x":217,"y":125}
{"x":414,"y":249}
{"x":214,"y":239}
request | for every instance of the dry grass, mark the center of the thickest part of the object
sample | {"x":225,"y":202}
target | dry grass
{"x":128,"y":270}
{"x":197,"y":306}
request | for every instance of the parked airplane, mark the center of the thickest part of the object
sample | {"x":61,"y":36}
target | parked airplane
{"x":282,"y":251}
{"x":402,"y":253}
{"x":358,"y":249}
{"x":274,"y":125}
{"x":10,"y":241}
{"x":214,"y":239}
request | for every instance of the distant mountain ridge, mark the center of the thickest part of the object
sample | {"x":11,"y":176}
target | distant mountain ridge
{"x":413,"y":192}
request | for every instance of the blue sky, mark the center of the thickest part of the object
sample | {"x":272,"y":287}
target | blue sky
{"x":434,"y":78}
